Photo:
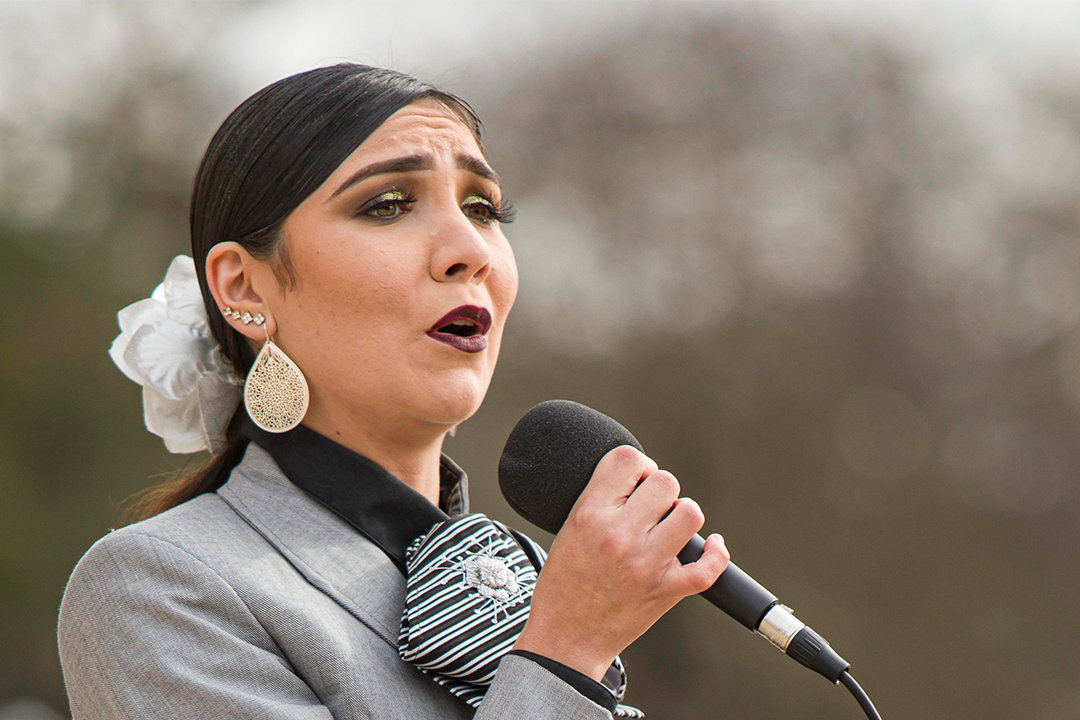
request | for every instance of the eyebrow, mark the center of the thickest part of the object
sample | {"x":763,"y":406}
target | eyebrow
{"x":476,"y":166}
{"x":412,"y":163}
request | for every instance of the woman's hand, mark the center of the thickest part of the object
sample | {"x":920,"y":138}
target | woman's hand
{"x":612,"y":570}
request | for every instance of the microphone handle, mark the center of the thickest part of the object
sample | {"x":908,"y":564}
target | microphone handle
{"x":736,"y":593}
{"x":757,"y":609}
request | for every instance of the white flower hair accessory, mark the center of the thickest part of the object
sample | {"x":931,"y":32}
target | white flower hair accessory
{"x":189,"y":388}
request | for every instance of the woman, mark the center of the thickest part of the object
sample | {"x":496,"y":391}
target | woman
{"x":346,"y":227}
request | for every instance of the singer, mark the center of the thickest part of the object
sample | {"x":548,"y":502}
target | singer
{"x":342,"y":311}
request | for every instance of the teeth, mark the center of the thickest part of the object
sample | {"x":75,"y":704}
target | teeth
{"x":463,"y":323}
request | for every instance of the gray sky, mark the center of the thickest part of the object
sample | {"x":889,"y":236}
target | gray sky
{"x":444,"y":40}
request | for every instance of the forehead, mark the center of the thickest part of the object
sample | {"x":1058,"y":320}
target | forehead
{"x":426,"y":126}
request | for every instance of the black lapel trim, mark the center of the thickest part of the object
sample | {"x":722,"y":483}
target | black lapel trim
{"x":363,"y":493}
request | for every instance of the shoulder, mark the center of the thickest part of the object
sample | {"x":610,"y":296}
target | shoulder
{"x":203,"y":530}
{"x":161,"y":582}
{"x":179,"y":547}
{"x":207,"y":529}
{"x":196,"y":557}
{"x":161,"y":618}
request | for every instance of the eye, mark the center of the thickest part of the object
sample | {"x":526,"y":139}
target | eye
{"x":386,"y":209}
{"x":479,"y":208}
{"x":388,"y":206}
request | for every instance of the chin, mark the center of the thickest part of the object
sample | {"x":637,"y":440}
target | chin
{"x":453,"y":403}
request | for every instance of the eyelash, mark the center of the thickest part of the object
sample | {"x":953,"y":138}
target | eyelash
{"x":399,"y":199}
{"x":502,"y":213}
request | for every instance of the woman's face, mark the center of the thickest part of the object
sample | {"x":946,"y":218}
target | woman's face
{"x":404,"y":279}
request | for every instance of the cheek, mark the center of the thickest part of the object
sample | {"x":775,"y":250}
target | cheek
{"x":356,"y":285}
{"x":351,"y":304}
{"x":505,"y":283}
{"x":503,"y":286}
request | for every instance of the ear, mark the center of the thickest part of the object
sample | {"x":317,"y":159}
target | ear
{"x":239,"y":281}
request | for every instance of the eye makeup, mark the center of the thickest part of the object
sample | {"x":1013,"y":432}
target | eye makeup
{"x":395,"y":200}
{"x":501,"y":212}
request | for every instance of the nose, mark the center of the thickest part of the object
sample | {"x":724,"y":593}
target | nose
{"x":460,"y":252}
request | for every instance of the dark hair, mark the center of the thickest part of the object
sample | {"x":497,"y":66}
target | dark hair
{"x":270,"y":154}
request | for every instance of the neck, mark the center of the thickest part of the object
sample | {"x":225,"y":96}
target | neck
{"x":412,"y":456}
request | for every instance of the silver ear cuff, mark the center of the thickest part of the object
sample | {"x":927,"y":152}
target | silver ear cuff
{"x":245,"y":317}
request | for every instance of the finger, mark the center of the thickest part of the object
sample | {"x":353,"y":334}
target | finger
{"x":653,"y":498}
{"x":699,"y":576}
{"x":673,"y":532}
{"x":616,"y":476}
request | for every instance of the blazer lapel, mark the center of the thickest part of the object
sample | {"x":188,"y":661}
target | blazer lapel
{"x":325,"y":549}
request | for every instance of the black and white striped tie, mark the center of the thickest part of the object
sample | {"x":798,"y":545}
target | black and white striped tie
{"x":467,"y":592}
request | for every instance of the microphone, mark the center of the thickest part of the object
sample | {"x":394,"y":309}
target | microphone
{"x":548,"y":460}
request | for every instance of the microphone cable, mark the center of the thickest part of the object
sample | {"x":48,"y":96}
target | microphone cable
{"x":800,"y":643}
{"x":860,"y":695}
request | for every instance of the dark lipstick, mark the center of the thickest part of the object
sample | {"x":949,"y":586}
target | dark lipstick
{"x":464,"y":328}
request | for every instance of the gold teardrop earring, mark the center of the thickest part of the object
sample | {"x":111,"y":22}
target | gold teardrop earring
{"x":275,"y":391}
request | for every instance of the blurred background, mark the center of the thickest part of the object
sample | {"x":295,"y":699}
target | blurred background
{"x":823,"y":259}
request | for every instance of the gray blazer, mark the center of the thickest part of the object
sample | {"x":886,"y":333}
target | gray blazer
{"x":258,"y":602}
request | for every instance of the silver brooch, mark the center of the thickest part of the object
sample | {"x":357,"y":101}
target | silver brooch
{"x":493,"y":578}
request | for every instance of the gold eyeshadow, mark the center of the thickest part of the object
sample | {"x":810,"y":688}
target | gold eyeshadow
{"x":394,"y":194}
{"x":475,"y":197}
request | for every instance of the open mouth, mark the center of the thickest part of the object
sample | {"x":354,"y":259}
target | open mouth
{"x":463,"y":327}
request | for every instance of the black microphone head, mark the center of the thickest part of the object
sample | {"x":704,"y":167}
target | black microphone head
{"x":550,"y":456}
